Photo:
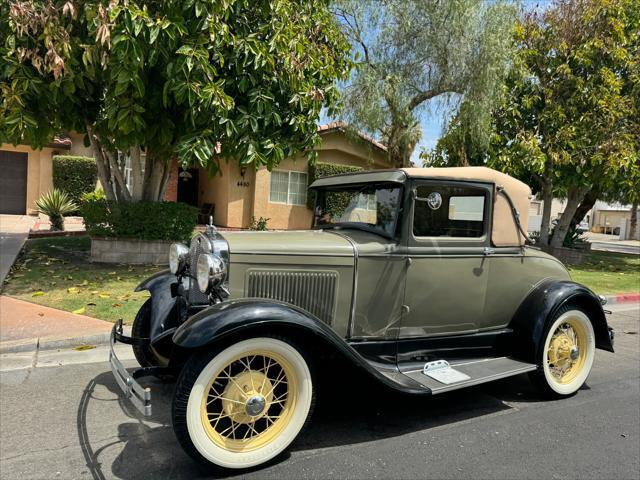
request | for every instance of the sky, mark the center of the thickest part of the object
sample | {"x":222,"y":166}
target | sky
{"x":433,"y":120}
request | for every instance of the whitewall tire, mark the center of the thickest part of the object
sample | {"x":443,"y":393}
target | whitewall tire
{"x":244,"y":405}
{"x":567,"y":354}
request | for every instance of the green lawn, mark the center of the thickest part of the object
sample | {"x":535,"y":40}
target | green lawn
{"x":608,"y":273}
{"x":56,"y":272}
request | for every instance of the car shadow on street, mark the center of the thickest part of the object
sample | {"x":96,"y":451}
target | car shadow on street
{"x":346,"y":413}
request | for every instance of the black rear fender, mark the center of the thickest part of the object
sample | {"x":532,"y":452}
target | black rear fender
{"x":540,"y":307}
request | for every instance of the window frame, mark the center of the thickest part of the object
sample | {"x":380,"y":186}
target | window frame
{"x":289,"y":193}
{"x":442,"y":241}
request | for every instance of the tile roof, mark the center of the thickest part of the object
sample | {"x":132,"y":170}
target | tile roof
{"x":342,"y":127}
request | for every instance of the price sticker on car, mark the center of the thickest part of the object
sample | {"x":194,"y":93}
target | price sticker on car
{"x":441,"y":371}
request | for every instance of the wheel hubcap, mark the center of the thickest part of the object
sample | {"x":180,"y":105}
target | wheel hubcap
{"x":255,"y":405}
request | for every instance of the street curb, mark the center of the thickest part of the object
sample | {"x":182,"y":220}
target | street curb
{"x":623,"y":298}
{"x":54,"y":343}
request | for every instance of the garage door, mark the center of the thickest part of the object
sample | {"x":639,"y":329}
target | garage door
{"x":13,"y":182}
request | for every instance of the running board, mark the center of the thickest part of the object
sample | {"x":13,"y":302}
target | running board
{"x":468,"y":373}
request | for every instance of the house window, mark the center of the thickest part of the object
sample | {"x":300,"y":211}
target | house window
{"x":449,"y":211}
{"x":288,"y":187}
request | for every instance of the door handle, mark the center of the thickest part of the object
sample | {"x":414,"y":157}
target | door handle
{"x":489,"y":251}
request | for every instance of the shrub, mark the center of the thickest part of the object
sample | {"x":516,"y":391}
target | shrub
{"x":74,"y":175}
{"x":336,"y":202}
{"x":259,"y":224}
{"x":143,"y":220}
{"x":56,"y":204}
{"x":319,"y":170}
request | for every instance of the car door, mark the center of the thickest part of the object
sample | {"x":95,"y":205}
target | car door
{"x":447,"y":236}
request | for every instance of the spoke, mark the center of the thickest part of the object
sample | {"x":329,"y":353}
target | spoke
{"x":281,"y":379}
{"x":266,"y":368}
{"x":225,"y":399}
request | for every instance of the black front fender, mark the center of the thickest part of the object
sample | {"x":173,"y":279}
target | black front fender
{"x":163,"y":301}
{"x":530,"y":321}
{"x":249,"y":314}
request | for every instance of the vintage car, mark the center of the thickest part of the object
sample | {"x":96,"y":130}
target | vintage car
{"x":419,"y":278}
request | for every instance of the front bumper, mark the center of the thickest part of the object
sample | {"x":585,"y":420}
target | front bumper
{"x":139,"y":395}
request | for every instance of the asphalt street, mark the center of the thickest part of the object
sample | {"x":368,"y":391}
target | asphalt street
{"x":61,"y":416}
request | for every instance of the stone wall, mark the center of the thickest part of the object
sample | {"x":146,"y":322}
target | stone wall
{"x":130,"y":250}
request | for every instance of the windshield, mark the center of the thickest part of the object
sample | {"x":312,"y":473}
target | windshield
{"x":371,"y":207}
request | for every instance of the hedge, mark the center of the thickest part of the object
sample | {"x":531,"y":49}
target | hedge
{"x":335,"y":203}
{"x":74,"y":175}
{"x":143,"y":220}
{"x":319,"y":170}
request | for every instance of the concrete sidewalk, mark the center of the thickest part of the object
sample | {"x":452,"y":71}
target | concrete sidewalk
{"x":14,"y":230}
{"x":26,"y":326}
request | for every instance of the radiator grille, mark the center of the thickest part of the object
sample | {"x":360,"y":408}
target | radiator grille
{"x":313,"y":291}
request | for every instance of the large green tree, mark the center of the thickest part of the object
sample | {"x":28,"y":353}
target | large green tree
{"x":203,"y":80}
{"x":411,"y":53}
{"x":569,"y":122}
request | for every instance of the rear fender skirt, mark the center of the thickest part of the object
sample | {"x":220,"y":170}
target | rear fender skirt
{"x":531,"y":318}
{"x":163,"y":300}
{"x":240,"y":316}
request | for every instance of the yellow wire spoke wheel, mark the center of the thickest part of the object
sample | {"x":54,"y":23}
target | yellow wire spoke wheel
{"x":245,"y":405}
{"x":569,"y":351}
{"x":249,"y":401}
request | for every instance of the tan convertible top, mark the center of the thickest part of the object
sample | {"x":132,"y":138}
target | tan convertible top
{"x":504,"y":232}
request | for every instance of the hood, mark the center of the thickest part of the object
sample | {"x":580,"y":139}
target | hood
{"x":300,"y":242}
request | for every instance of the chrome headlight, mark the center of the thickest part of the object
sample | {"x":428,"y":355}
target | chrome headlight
{"x":178,"y":256}
{"x":210,"y":272}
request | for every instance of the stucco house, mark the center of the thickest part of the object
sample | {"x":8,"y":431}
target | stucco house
{"x":27,"y":172}
{"x":240,"y":194}
{"x":236,"y":194}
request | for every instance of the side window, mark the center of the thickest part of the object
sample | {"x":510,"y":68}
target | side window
{"x":449,"y":211}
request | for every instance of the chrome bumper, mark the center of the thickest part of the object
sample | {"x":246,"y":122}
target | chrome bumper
{"x":139,"y":395}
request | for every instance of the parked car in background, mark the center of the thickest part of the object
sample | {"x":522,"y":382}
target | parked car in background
{"x":420,"y":278}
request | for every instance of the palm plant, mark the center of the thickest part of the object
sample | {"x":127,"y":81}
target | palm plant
{"x":56,"y":204}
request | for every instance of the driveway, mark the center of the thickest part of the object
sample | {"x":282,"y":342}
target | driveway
{"x":14,"y":230}
{"x":612,"y":243}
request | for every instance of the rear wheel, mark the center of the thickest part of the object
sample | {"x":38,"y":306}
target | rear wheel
{"x":244,"y":405}
{"x":567,"y":354}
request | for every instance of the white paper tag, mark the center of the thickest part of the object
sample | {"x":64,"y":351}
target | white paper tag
{"x":441,"y":371}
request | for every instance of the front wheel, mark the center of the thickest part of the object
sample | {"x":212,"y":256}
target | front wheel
{"x":567,"y":354}
{"x":244,"y":405}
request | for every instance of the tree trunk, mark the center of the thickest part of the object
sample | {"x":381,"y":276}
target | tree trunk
{"x":633,"y":223}
{"x":585,"y":206}
{"x":575,"y":195}
{"x":102,"y":164}
{"x":547,"y":200}
{"x":137,"y":174}
{"x":156,"y":179}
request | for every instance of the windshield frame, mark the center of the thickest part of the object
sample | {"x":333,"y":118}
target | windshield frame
{"x":320,"y":191}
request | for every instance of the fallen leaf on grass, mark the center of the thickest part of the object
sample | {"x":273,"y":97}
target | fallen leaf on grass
{"x":68,"y":277}
{"x":91,"y":304}
{"x":37,"y":294}
{"x":94,"y":292}
{"x":73,"y":290}
{"x":79,"y":311}
{"x":80,"y":348}
{"x":102,"y":295}
{"x":111,"y":273}
{"x":116,"y":305}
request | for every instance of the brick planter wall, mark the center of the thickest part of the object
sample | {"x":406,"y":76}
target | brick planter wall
{"x":572,"y":256}
{"x":130,"y":250}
